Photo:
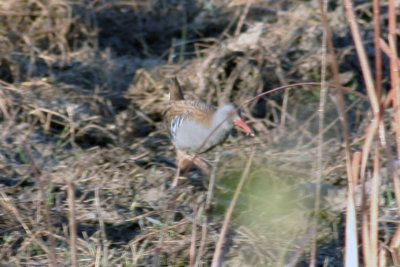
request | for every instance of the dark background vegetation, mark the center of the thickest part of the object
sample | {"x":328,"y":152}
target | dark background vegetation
{"x":83,"y":86}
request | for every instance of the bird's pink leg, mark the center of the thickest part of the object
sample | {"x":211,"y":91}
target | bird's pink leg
{"x":180,"y":159}
{"x":184,"y":161}
{"x":200,"y":164}
{"x":176,"y":177}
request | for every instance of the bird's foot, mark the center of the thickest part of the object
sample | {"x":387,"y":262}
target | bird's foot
{"x":186,"y":161}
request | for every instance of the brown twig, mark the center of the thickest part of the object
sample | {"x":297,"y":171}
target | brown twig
{"x":336,"y":86}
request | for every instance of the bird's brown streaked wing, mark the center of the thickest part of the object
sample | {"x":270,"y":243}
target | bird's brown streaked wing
{"x":198,"y":111}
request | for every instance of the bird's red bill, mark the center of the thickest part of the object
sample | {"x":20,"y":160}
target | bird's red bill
{"x":242,"y":125}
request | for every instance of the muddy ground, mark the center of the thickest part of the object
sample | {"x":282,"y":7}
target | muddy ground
{"x":83,"y":87}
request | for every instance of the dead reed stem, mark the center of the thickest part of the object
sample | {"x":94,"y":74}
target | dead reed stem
{"x":192,"y":250}
{"x":284,"y":112}
{"x":211,"y":184}
{"x":351,"y":247}
{"x":386,"y":49}
{"x":217,"y":257}
{"x":340,"y":97}
{"x":39,"y":182}
{"x":72,"y":223}
{"x":374,"y":209}
{"x":200,"y":252}
{"x":395,"y":84}
{"x":394,"y":81}
{"x":103,"y":242}
{"x":378,"y":57}
{"x":370,"y":133}
{"x":382,"y":257}
{"x":320,"y":150}
{"x":362,"y":56}
{"x":306,"y":240}
{"x":367,"y":79}
{"x":369,"y":225}
{"x":243,"y":17}
{"x":394,"y":247}
{"x":7,"y":203}
{"x":207,"y":206}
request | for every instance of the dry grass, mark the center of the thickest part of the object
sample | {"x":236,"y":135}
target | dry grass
{"x":83,"y":146}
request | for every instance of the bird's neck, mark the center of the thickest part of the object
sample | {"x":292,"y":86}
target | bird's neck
{"x":221,"y":121}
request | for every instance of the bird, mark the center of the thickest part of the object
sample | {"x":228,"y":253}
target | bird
{"x":197,"y":127}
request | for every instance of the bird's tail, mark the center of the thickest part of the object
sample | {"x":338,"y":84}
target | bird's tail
{"x":175,"y":90}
